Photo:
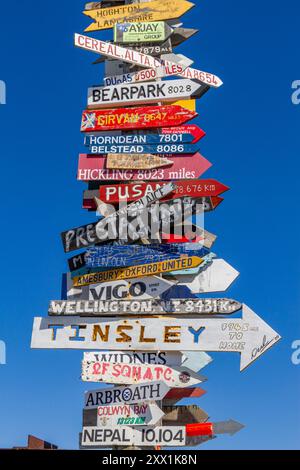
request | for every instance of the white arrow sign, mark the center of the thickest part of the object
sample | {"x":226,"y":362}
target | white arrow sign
{"x":129,"y":374}
{"x":250,"y":335}
{"x":134,"y":289}
{"x":169,"y":358}
{"x":144,"y":436}
{"x":196,"y":360}
{"x":218,"y":277}
{"x":138,"y":414}
{"x":154,"y":391}
{"x":145,"y":93}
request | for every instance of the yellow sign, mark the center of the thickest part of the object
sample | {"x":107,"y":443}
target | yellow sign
{"x":133,"y":272}
{"x":155,"y":10}
{"x":187,"y":104}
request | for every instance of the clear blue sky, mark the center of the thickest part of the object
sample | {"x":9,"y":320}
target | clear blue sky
{"x":252,"y":140}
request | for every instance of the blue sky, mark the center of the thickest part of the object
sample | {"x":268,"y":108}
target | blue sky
{"x":252,"y":140}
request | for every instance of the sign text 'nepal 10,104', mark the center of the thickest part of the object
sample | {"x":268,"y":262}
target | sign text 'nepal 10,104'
{"x":132,"y":297}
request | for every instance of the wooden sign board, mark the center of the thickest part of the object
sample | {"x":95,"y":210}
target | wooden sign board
{"x":160,"y":149}
{"x":140,"y":393}
{"x":176,"y":394}
{"x":105,"y":18}
{"x":137,"y":271}
{"x":136,"y":161}
{"x":143,"y":117}
{"x":163,"y":358}
{"x":91,"y":168}
{"x":182,"y":415}
{"x":143,"y":414}
{"x":144,"y":93}
{"x":144,"y":436}
{"x":129,"y":374}
{"x":90,"y":308}
{"x":250,"y":335}
{"x":151,"y":32}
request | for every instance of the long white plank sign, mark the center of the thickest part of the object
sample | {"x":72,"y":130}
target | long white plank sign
{"x":249,"y":335}
{"x":133,"y":414}
{"x":143,"y":436}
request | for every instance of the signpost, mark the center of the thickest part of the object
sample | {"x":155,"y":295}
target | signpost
{"x":91,"y":168}
{"x":249,"y":335}
{"x":144,"y":414}
{"x":136,"y":161}
{"x":182,"y":415}
{"x":129,"y":374}
{"x":145,"y":93}
{"x":164,"y":358}
{"x":210,"y":429}
{"x":154,"y":31}
{"x":105,"y":18}
{"x":119,"y":150}
{"x":142,"y":117}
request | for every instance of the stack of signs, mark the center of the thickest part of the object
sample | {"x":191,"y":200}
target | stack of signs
{"x":131,"y":298}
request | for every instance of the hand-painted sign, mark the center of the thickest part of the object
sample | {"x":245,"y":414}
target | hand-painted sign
{"x":155,"y":10}
{"x":155,"y":49}
{"x":188,"y":233}
{"x":144,"y":93}
{"x":104,"y":308}
{"x":210,"y":429}
{"x":117,"y":150}
{"x":182,"y":34}
{"x":164,"y":358}
{"x":126,"y":436}
{"x":143,"y":414}
{"x":142,"y":117}
{"x":182,"y":415}
{"x":176,"y":394}
{"x":129,"y":374}
{"x":102,"y":231}
{"x":131,"y":255}
{"x":141,"y":393}
{"x":137,"y":271}
{"x":115,"y":193}
{"x":151,"y":32}
{"x":132,"y":161}
{"x":91,"y":168}
{"x":250,"y":335}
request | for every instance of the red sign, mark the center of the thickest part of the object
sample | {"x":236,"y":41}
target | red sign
{"x":199,"y":429}
{"x":179,"y":393}
{"x":115,"y":193}
{"x":192,"y":129}
{"x":92,"y":168}
{"x":135,"y":118}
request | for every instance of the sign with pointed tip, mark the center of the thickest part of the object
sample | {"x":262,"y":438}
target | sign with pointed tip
{"x":217,"y":278}
{"x":196,"y":360}
{"x":143,"y":117}
{"x":133,"y":289}
{"x":151,"y":32}
{"x":250,"y":335}
{"x":144,"y":93}
{"x":129,"y":374}
{"x":209,"y":429}
{"x":144,"y":436}
{"x":143,"y":414}
{"x":137,"y":271}
{"x":93,"y":168}
{"x":182,"y":34}
{"x":118,"y":151}
{"x":176,"y":394}
{"x":116,"y":193}
{"x":164,"y":358}
{"x":106,"y":18}
{"x":140,"y":393}
{"x":189,"y":233}
{"x":182,"y":415}
{"x":133,"y":161}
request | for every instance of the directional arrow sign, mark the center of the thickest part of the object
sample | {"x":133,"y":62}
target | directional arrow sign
{"x":144,"y":93}
{"x":189,"y":233}
{"x":182,"y":34}
{"x":115,"y":193}
{"x":131,"y":255}
{"x":250,"y":335}
{"x":135,"y":118}
{"x":104,"y":308}
{"x":165,"y":358}
{"x":142,"y":149}
{"x":91,"y":168}
{"x":154,"y":391}
{"x":176,"y":394}
{"x":144,"y":436}
{"x":217,"y":278}
{"x":129,"y":374}
{"x":141,"y":289}
{"x":182,"y":415}
{"x":154,"y":31}
{"x":144,"y":414}
{"x":136,"y":161}
{"x":105,"y":18}
{"x":137,"y":271}
{"x":209,"y":429}
{"x":196,"y":360}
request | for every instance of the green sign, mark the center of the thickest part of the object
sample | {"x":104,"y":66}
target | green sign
{"x":133,"y":33}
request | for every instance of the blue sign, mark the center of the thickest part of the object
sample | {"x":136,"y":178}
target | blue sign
{"x":121,"y":256}
{"x":138,"y":139}
{"x":161,"y":149}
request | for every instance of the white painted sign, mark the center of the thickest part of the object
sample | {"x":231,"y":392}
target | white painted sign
{"x":143,"y":93}
{"x":129,"y":374}
{"x":250,"y":335}
{"x":218,"y":277}
{"x":144,"y":436}
{"x":171,"y":358}
{"x":154,"y":391}
{"x":138,"y":414}
{"x":134,"y":289}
